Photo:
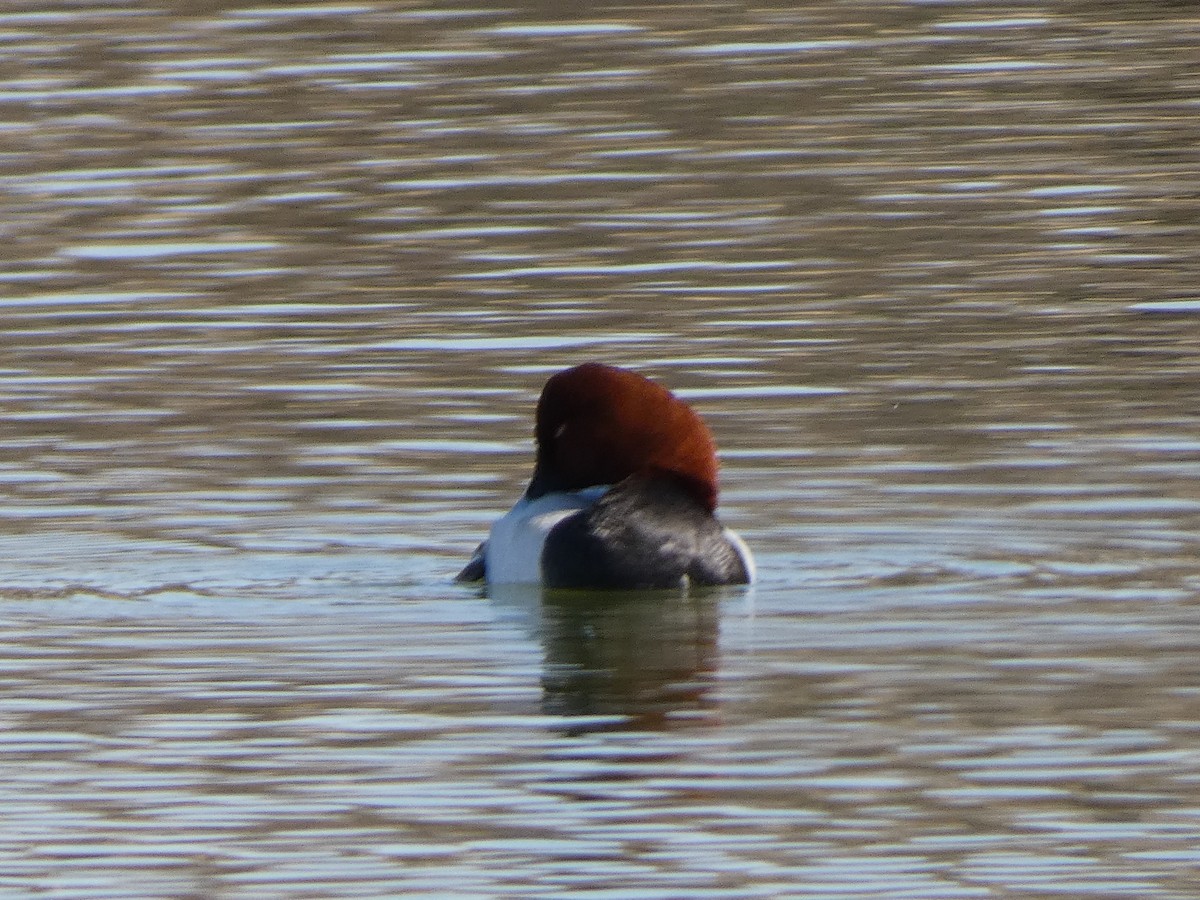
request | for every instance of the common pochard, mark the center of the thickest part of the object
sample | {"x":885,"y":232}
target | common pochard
{"x":623,"y":494}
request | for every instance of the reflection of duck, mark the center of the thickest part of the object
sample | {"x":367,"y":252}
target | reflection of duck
{"x":645,"y":657}
{"x":623,"y":494}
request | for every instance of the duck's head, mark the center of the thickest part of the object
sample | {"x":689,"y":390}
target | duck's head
{"x":598,"y":425}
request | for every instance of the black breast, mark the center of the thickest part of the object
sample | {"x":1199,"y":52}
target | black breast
{"x":645,"y":532}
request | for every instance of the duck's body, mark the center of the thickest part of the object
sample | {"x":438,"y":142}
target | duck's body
{"x":623,"y":494}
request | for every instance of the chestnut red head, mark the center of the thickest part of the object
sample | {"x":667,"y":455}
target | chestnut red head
{"x":598,"y":425}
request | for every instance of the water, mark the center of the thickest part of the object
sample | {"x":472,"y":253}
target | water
{"x":279,"y":287}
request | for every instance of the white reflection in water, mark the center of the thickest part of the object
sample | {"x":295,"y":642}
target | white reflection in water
{"x":563,"y":30}
{"x":740,"y":48}
{"x":151,"y":249}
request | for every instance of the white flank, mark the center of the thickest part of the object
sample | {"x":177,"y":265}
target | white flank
{"x":514,"y":547}
{"x":744,"y":551}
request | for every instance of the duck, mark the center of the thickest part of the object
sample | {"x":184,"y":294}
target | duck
{"x":623,"y":494}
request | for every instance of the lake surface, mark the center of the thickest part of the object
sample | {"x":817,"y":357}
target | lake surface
{"x":278,"y":289}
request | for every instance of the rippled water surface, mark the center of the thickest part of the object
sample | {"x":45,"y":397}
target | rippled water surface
{"x":278,"y":288}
